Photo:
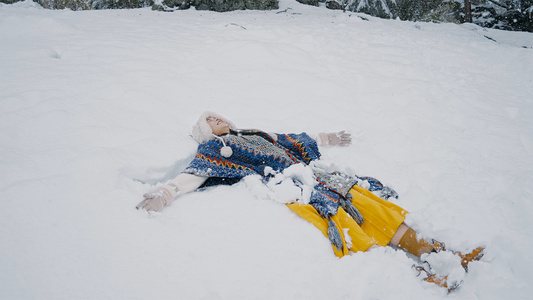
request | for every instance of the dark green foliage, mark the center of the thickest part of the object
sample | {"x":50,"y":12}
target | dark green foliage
{"x":504,"y":14}
{"x":484,"y":16}
{"x":9,"y":1}
{"x":417,"y":10}
{"x":114,"y":4}
{"x":446,"y":11}
{"x":515,"y":20}
{"x":93,"y":4}
{"x":309,"y":2}
{"x":214,"y":5}
{"x":229,"y":5}
{"x":180,"y":4}
{"x":371,"y":7}
{"x":414,"y":10}
{"x":62,"y":4}
{"x":335,"y":5}
{"x":217,"y":5}
{"x":500,"y":14}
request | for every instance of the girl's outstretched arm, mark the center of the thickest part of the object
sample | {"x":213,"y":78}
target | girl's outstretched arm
{"x":162,"y":196}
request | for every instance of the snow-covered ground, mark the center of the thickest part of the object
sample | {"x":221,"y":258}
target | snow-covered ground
{"x":96,"y":108}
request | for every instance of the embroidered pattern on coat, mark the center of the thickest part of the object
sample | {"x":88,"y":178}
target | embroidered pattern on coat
{"x":253,"y":153}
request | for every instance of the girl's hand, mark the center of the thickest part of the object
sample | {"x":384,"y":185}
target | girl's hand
{"x":156,"y":200}
{"x":341,"y":138}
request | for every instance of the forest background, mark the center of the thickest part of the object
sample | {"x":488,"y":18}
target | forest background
{"x":515,"y":15}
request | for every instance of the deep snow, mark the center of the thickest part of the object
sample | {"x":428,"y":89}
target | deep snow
{"x":96,"y":108}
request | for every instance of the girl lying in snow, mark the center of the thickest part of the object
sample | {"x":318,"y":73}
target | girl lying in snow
{"x":345,"y":208}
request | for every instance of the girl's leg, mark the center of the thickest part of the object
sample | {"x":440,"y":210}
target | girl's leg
{"x":399,"y":234}
{"x":406,"y":239}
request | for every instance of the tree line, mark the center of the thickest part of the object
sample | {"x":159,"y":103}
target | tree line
{"x":514,"y":15}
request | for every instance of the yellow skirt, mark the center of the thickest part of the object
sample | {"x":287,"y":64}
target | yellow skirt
{"x":382,"y":219}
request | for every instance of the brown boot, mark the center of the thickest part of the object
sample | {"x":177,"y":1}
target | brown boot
{"x":441,"y":281}
{"x":475,"y":255}
{"x":410,"y":243}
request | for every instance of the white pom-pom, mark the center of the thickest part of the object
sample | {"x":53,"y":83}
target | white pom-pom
{"x":226,"y":151}
{"x":274,"y":136}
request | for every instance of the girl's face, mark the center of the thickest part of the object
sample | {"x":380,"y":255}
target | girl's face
{"x":218,"y":126}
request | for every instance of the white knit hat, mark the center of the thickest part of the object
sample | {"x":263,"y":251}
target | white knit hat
{"x":202,"y":132}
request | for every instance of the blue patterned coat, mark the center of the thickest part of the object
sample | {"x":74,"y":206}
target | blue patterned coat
{"x":253,"y":153}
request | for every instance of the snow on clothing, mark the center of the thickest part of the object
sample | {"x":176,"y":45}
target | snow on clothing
{"x":259,"y":153}
{"x":252,"y":154}
{"x":382,"y":219}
